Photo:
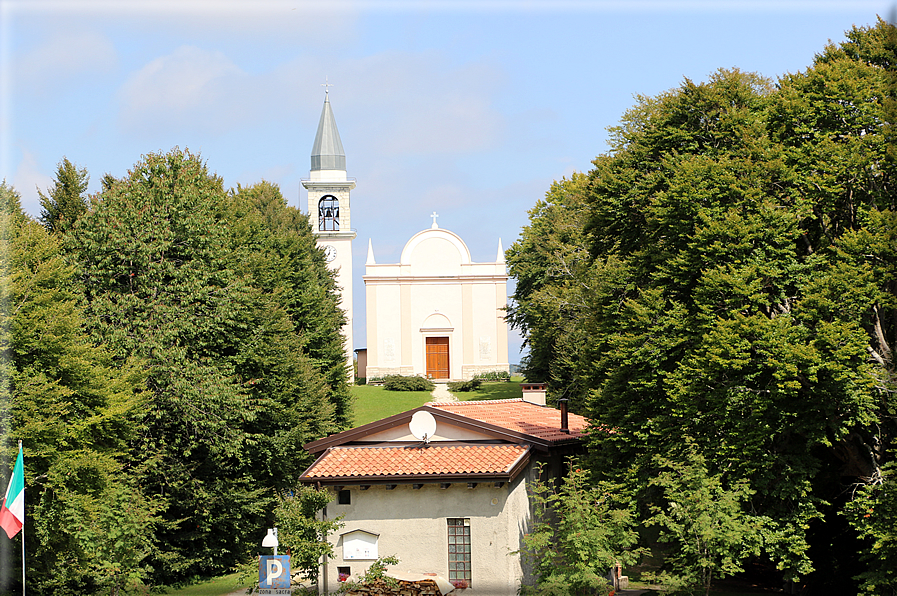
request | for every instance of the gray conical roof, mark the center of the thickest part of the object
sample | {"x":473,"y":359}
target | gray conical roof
{"x":327,"y":152}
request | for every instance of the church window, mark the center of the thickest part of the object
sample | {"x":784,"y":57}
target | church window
{"x":459,"y":551}
{"x":328,"y":214}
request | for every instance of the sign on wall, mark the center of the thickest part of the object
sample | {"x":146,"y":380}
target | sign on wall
{"x":359,"y":544}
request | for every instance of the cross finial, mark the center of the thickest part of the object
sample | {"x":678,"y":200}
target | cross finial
{"x":434,"y":215}
{"x":326,"y":84}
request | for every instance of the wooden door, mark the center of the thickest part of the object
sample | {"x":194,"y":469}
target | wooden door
{"x":438,"y":357}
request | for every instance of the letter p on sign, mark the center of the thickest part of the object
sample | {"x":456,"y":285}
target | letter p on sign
{"x":274,"y":572}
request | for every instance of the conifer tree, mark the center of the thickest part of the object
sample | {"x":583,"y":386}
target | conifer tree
{"x":65,"y":202}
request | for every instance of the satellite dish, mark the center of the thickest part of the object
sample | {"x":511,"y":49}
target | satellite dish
{"x":422,"y":426}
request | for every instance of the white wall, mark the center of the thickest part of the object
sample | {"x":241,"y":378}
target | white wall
{"x":412,"y":526}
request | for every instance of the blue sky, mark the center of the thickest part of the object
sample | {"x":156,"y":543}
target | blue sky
{"x":467,"y":108}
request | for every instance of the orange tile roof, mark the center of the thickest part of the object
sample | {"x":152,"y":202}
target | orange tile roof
{"x":355,"y":462}
{"x":519,"y":416}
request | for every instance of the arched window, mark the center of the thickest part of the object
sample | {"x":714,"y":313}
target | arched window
{"x":328,"y":214}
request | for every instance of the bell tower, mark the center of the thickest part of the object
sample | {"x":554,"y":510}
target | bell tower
{"x":329,"y":212}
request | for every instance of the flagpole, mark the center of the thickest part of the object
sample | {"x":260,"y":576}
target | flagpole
{"x":23,"y":538}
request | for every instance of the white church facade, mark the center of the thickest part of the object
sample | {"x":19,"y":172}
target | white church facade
{"x":436,"y":313}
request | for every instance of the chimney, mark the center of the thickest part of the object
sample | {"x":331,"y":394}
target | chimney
{"x":563,"y":404}
{"x":533,"y":393}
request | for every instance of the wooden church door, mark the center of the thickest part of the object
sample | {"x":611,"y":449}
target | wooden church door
{"x":438,"y":357}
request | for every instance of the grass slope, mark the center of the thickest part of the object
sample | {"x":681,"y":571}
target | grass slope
{"x":220,"y":586}
{"x":373,"y":402}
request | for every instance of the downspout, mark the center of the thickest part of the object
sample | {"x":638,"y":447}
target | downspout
{"x":324,"y":556}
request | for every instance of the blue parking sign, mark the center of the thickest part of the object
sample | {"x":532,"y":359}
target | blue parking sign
{"x":274,"y":572}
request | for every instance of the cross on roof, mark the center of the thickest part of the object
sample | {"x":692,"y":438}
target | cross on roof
{"x":326,"y":84}
{"x":434,"y":215}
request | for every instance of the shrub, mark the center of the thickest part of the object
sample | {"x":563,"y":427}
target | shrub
{"x":471,"y":385}
{"x":493,"y":375}
{"x":376,"y":573}
{"x":400,"y":383}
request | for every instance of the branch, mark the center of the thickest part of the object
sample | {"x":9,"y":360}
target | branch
{"x":879,"y":334}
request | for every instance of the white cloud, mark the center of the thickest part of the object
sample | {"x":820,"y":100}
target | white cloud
{"x":419,"y":104}
{"x":396,"y":104}
{"x":190,"y":89}
{"x":27,"y":179}
{"x":63,"y":60}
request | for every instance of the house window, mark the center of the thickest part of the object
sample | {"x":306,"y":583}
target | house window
{"x":344,"y":497}
{"x":459,"y":551}
{"x":343,"y":573}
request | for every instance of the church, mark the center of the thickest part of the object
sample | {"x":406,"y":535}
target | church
{"x":435,"y":313}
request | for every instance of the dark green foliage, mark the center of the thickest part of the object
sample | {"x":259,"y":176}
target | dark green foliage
{"x":65,"y":202}
{"x":579,"y":532}
{"x":207,"y":289}
{"x":89,"y":528}
{"x":874,"y":515}
{"x":402,"y":383}
{"x":469,"y":385}
{"x":729,"y":272}
{"x":273,"y":245}
{"x":548,"y":300}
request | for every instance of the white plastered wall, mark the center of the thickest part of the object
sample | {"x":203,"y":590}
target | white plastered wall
{"x":412,"y":525}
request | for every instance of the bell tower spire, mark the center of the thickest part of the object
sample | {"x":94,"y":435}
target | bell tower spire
{"x":329,"y":211}
{"x":328,"y":159}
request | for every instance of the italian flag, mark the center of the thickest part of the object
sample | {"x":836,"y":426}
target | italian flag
{"x":12,"y":512}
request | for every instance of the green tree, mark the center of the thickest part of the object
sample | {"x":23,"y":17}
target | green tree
{"x":76,"y":414}
{"x":703,"y":521}
{"x":233,"y":393}
{"x":550,"y":263}
{"x":65,"y":202}
{"x":300,"y":531}
{"x":273,"y":246}
{"x":579,"y":532}
{"x":741,"y":290}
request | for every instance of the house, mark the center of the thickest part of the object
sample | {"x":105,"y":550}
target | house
{"x":443,"y":487}
{"x":436,"y":313}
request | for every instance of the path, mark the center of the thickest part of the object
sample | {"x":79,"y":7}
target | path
{"x":442,"y":394}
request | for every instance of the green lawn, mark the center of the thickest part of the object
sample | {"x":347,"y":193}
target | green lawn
{"x":220,"y":586}
{"x":494,"y":390}
{"x":373,"y":402}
